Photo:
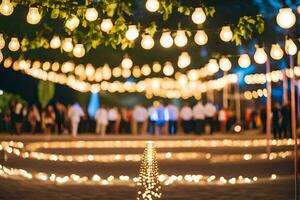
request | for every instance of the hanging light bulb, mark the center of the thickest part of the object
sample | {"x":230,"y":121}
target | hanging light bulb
{"x":198,"y":16}
{"x":132,"y":33}
{"x":146,"y":70}
{"x":67,"y":45}
{"x":180,"y":38}
{"x":72,"y":23}
{"x":276,"y":52}
{"x":55,"y":42}
{"x":14,"y":44}
{"x":286,"y":18}
{"x":166,"y":40}
{"x":298,"y":9}
{"x":156,"y":67}
{"x":106,"y":25}
{"x":244,"y":61}
{"x":260,"y":56}
{"x":168,"y":69}
{"x":290,"y":47}
{"x":2,"y":41}
{"x":79,"y":50}
{"x":152,"y":5}
{"x":33,"y":16}
{"x":1,"y":56}
{"x":6,"y":7}
{"x":226,"y":34}
{"x":126,"y":62}
{"x":147,"y":42}
{"x":201,"y":37}
{"x":225,"y":64}
{"x":213,"y":66}
{"x":184,"y":60}
{"x":91,"y":14}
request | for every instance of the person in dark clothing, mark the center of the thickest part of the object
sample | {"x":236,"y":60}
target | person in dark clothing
{"x":286,"y":121}
{"x":276,"y":121}
{"x":263,"y":117}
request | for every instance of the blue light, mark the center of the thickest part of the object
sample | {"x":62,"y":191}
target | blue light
{"x":242,"y":72}
{"x":94,"y":104}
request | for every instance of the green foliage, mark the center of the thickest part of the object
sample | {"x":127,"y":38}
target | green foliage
{"x":7,"y":98}
{"x":46,"y":92}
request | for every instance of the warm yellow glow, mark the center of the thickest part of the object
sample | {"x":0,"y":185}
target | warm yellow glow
{"x":8,"y":62}
{"x":106,"y":25}
{"x":166,"y":40}
{"x":200,"y":37}
{"x":276,"y":52}
{"x":213,"y":66}
{"x":55,"y":66}
{"x":72,"y":23}
{"x":152,"y":5}
{"x":91,"y":14}
{"x":184,"y":60}
{"x":89,"y":70}
{"x":67,"y":67}
{"x":260,"y":56}
{"x":55,"y":42}
{"x":14,"y":44}
{"x":106,"y":72}
{"x":2,"y":41}
{"x":132,"y":33}
{"x":126,"y":73}
{"x":225,"y":64}
{"x":117,"y":72}
{"x":198,"y":16}
{"x":226,"y":34}
{"x":136,"y":72}
{"x":46,"y":66}
{"x":156,"y":67}
{"x":286,"y":18}
{"x":126,"y":62}
{"x":290,"y":47}
{"x":1,"y":56}
{"x":146,"y":70}
{"x":244,"y":61}
{"x":180,"y":38}
{"x":67,"y":45}
{"x":147,"y":42}
{"x":79,"y":51}
{"x":168,"y":69}
{"x":33,"y":16}
{"x":6,"y":7}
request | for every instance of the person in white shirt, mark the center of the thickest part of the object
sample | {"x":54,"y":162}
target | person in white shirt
{"x":198,"y":116}
{"x":186,"y":116}
{"x":173,"y":116}
{"x":210,"y":113}
{"x":75,"y":112}
{"x":101,"y":118}
{"x":140,"y":117}
{"x":113,"y":116}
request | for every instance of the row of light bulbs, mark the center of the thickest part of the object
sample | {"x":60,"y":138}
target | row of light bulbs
{"x":255,"y":94}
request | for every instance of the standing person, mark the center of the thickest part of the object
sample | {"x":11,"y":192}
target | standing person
{"x":60,"y":112}
{"x":276,"y":121}
{"x":286,"y":121}
{"x":33,"y":118}
{"x":223,"y":118}
{"x":75,"y":113}
{"x":186,"y":116}
{"x":48,"y":120}
{"x":7,"y":121}
{"x":198,"y":116}
{"x":210,"y":112}
{"x":18,"y":117}
{"x":263,"y":117}
{"x":139,"y":120}
{"x":101,"y":118}
{"x":173,"y":117}
{"x":112,"y":118}
{"x":152,"y":119}
{"x":161,"y":119}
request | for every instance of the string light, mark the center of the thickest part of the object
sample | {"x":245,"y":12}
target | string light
{"x":126,"y":62}
{"x":6,"y":7}
{"x":290,"y":47}
{"x":89,"y":70}
{"x":33,"y":16}
{"x":226,"y":34}
{"x":79,"y":51}
{"x":260,"y":56}
{"x":180,"y":38}
{"x":14,"y":44}
{"x":168,"y":69}
{"x":213,"y":66}
{"x":67,"y":45}
{"x":132,"y":33}
{"x":225,"y":64}
{"x":152,"y":5}
{"x":184,"y":60}
{"x":1,"y":56}
{"x":166,"y":40}
{"x":2,"y":41}
{"x":91,"y":14}
{"x":198,"y":16}
{"x":72,"y":23}
{"x":244,"y":61}
{"x":147,"y":42}
{"x":200,"y":37}
{"x":276,"y":52}
{"x":156,"y":67}
{"x":106,"y":25}
{"x":286,"y":18}
{"x":146,"y":70}
{"x":55,"y":42}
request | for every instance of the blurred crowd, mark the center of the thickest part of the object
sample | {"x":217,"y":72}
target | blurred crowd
{"x":159,"y":119}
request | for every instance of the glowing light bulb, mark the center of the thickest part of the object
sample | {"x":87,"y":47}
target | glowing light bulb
{"x":226,"y":34}
{"x":106,"y":25}
{"x":184,"y":60}
{"x":156,"y":67}
{"x":147,"y":42}
{"x":67,"y":45}
{"x":1,"y":56}
{"x":126,"y":62}
{"x":14,"y":44}
{"x":168,"y":69}
{"x":6,"y":7}
{"x":225,"y":64}
{"x":146,"y":70}
{"x":2,"y":41}
{"x":180,"y":38}
{"x":91,"y":14}
{"x":276,"y":52}
{"x":260,"y":56}
{"x":213,"y":66}
{"x":55,"y":42}
{"x":290,"y":47}
{"x":79,"y":51}
{"x":298,"y":9}
{"x":166,"y":40}
{"x":198,"y":16}
{"x":152,"y":5}
{"x":201,"y":37}
{"x":33,"y":16}
{"x":132,"y":33}
{"x":286,"y":18}
{"x":244,"y":61}
{"x":72,"y":23}
{"x":89,"y":70}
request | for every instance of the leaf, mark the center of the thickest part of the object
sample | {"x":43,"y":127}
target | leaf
{"x":110,"y":9}
{"x":55,"y":13}
{"x":46,"y":92}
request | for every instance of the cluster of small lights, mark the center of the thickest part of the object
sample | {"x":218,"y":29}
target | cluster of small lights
{"x":255,"y":94}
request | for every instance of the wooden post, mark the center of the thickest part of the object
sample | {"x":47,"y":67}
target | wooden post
{"x":237,"y":102}
{"x":284,"y":87}
{"x":269,"y":108}
{"x":225,"y":94}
